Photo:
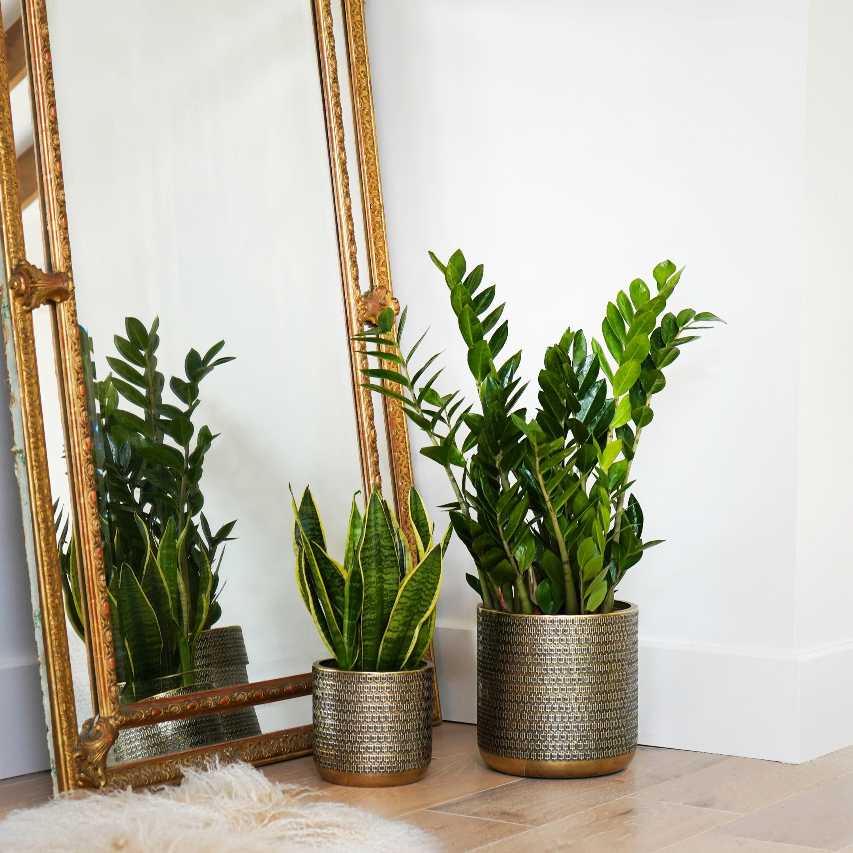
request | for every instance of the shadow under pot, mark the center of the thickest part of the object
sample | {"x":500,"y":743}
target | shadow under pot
{"x":557,"y":695}
{"x":220,"y":660}
{"x":372,"y":729}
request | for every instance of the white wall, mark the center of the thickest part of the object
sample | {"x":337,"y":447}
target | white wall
{"x":825,"y":550}
{"x":24,"y":743}
{"x":570,"y":146}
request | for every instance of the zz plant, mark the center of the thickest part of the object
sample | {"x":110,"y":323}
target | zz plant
{"x":161,"y":556}
{"x":375,"y":610}
{"x":544,"y":500}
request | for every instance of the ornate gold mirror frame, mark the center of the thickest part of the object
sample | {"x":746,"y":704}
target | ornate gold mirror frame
{"x":80,"y":755}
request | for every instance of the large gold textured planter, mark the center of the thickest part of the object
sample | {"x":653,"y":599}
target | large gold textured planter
{"x":557,"y":695}
{"x":372,"y":729}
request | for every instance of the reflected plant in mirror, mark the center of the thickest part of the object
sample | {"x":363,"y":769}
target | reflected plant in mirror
{"x":544,"y":500}
{"x":162,"y":557}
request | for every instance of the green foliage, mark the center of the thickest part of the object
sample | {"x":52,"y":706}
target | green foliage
{"x":376,"y":610}
{"x":162,"y":558}
{"x":543,"y":501}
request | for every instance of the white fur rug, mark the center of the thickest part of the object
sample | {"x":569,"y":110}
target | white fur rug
{"x":221,"y":810}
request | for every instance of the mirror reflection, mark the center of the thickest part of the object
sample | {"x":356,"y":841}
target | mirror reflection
{"x":208,"y":286}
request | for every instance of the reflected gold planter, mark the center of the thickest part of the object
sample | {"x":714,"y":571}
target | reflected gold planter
{"x":372,"y":729}
{"x":557,"y":695}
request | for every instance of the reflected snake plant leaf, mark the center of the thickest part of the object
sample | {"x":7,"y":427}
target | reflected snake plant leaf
{"x":139,"y":625}
{"x":380,"y":572}
{"x":203,"y":593}
{"x":420,"y":523}
{"x":416,"y":599}
{"x":184,"y":591}
{"x":167,"y":562}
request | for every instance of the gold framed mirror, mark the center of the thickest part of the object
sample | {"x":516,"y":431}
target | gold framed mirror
{"x":221,"y":173}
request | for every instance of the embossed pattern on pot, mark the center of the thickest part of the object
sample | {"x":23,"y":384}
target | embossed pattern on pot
{"x":372,"y":722}
{"x":557,"y":688}
{"x":221,"y":660}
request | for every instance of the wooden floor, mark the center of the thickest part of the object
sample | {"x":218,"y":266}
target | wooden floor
{"x":681,"y":802}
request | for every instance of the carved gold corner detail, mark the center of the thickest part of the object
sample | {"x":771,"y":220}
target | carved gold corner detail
{"x":96,"y":739}
{"x":374,"y":302}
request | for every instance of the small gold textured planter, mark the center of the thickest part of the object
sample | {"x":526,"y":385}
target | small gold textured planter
{"x":372,"y":729}
{"x":557,"y":695}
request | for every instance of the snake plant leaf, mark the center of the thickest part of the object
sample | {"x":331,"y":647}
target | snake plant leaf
{"x":425,"y":635}
{"x":350,"y":619}
{"x":404,"y":555}
{"x":139,"y":625}
{"x":309,"y":519}
{"x":415,"y":602}
{"x":325,"y":609}
{"x":333,"y":578}
{"x":354,"y":532}
{"x":312,"y":602}
{"x":301,"y":582}
{"x":380,"y":571}
{"x":420,"y":522}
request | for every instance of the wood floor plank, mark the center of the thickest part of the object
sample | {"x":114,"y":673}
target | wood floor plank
{"x":626,"y":825}
{"x":742,"y":784}
{"x":457,"y":833}
{"x":819,"y":817}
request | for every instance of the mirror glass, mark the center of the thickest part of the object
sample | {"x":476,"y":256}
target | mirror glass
{"x":208,"y":286}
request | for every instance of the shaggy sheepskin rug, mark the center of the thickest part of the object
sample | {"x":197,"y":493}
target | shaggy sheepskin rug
{"x":224,"y":809}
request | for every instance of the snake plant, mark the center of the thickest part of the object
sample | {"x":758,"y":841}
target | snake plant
{"x":161,"y":557}
{"x":375,"y":609}
{"x":544,"y":500}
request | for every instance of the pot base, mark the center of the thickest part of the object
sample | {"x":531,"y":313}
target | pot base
{"x":582,"y":769}
{"x":371,"y":780}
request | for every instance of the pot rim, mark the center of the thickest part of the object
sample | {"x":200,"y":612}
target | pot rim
{"x":625,"y":608}
{"x":323,"y":666}
{"x":216,"y":628}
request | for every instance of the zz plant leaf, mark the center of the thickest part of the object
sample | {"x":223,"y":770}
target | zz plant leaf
{"x":543,"y":499}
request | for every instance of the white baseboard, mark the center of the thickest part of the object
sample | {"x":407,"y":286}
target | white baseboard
{"x":755,"y":703}
{"x":826,"y":699}
{"x":24,"y":747}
